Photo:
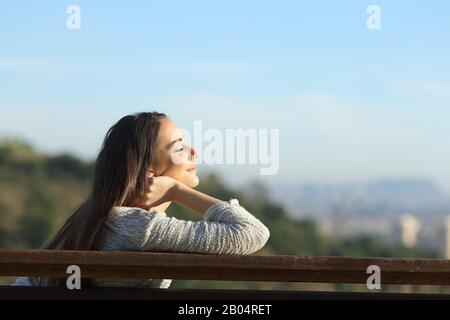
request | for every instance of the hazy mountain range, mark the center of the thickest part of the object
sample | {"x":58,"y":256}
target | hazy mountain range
{"x":382,"y":198}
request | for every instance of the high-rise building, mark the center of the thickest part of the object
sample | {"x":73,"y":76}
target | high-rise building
{"x":447,"y":238}
{"x":410,"y":226}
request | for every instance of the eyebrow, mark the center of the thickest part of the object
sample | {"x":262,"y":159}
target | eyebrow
{"x":174,"y":141}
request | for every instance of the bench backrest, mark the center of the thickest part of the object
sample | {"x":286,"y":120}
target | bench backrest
{"x":280,"y":268}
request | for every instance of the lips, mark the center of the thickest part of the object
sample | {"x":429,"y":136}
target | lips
{"x":192,"y":169}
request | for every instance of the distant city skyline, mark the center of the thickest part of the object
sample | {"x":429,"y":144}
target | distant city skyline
{"x":350,"y":103}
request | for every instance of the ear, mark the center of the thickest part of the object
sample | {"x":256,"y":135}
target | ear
{"x":151,"y":173}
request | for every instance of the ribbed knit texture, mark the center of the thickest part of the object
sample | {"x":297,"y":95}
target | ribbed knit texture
{"x":226,"y":228}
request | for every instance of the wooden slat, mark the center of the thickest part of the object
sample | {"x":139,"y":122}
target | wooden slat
{"x":142,"y":265}
{"x":48,"y":293}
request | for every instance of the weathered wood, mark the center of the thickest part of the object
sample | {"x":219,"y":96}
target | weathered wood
{"x":141,"y":265}
{"x":46,"y":293}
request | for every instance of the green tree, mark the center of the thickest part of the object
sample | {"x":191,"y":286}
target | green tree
{"x":37,"y":222}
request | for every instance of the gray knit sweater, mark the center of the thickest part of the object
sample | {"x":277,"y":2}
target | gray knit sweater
{"x":226,"y":228}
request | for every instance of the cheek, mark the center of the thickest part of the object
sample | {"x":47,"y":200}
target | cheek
{"x":179,"y":158}
{"x":173,"y":170}
{"x":168,"y":165}
{"x":178,"y":172}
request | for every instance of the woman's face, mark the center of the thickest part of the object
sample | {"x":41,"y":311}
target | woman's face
{"x":175,"y":158}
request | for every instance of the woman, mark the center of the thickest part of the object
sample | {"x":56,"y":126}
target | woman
{"x":143,"y":166}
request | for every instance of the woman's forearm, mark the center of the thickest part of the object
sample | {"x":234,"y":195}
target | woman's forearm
{"x":195,"y":200}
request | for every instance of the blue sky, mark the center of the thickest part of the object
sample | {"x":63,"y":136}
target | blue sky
{"x":350,"y":103}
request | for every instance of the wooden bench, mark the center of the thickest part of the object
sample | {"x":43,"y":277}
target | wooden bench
{"x":281,"y":268}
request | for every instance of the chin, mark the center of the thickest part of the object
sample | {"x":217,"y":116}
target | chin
{"x":194,"y":182}
{"x":197,"y":181}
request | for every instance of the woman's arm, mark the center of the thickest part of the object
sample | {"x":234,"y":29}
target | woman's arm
{"x":192,"y":199}
{"x":226,"y":228}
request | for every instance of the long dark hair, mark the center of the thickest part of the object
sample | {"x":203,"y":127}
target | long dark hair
{"x":128,"y":152}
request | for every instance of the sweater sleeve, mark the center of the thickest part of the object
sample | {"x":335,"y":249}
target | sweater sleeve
{"x":226,"y":228}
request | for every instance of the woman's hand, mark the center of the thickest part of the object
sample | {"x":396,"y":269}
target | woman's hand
{"x":158,"y":191}
{"x":163,"y":189}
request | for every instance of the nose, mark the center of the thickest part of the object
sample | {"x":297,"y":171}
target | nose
{"x":193,"y":153}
